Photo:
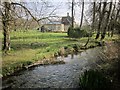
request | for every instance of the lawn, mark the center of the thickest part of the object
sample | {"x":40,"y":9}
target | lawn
{"x":31,"y":46}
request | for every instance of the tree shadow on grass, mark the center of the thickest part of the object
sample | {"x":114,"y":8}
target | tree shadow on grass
{"x":38,"y":37}
{"x":34,"y":45}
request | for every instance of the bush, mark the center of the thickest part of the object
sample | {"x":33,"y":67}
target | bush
{"x":74,"y":33}
{"x":94,"y":80}
{"x":77,"y":33}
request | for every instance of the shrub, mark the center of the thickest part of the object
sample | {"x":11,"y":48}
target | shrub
{"x":73,"y":33}
{"x":94,"y":80}
{"x":76,"y":47}
{"x":77,"y":33}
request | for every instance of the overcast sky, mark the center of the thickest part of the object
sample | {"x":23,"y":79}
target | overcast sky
{"x":63,"y":7}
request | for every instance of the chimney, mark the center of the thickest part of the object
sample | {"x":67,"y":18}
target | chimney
{"x":68,"y":14}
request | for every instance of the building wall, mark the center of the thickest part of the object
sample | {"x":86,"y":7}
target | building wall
{"x":54,"y":27}
{"x":66,"y":27}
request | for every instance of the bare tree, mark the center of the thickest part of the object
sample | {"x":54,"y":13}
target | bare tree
{"x":7,"y":18}
{"x":101,"y":17}
{"x":105,"y":17}
{"x":82,"y":13}
{"x":115,"y":18}
{"x":93,"y":20}
{"x":99,"y":23}
{"x":107,"y":21}
{"x":72,"y":13}
{"x":6,"y":22}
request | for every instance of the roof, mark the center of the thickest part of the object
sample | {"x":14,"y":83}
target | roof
{"x":54,"y":22}
{"x":66,"y":20}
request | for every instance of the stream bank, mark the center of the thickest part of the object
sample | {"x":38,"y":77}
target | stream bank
{"x":56,"y":76}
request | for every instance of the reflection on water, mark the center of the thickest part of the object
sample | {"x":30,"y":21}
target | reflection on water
{"x":56,"y":76}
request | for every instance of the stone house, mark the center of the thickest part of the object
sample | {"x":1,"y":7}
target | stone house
{"x":54,"y":26}
{"x":67,"y":21}
{"x":59,"y":26}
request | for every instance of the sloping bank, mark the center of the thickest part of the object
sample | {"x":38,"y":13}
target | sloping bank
{"x":64,"y":75}
{"x":107,"y":76}
{"x":56,"y":76}
{"x":50,"y":59}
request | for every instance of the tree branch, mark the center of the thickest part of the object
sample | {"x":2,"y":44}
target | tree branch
{"x":26,"y":10}
{"x":31,"y":13}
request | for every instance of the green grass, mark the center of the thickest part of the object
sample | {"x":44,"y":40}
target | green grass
{"x":94,"y":80}
{"x":31,"y":46}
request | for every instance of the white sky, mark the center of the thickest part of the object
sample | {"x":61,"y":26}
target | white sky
{"x":63,"y":7}
{"x":57,"y":0}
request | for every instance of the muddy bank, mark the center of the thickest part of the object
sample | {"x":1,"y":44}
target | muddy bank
{"x":72,"y":50}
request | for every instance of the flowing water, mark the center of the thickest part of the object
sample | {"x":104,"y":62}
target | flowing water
{"x":56,"y":76}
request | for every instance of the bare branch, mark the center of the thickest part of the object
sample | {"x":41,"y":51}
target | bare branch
{"x":25,"y":9}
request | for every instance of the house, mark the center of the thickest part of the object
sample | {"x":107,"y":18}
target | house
{"x":67,"y":21}
{"x":54,"y":26}
{"x":59,"y":26}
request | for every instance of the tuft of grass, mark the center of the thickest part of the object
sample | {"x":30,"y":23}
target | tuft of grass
{"x":94,"y":80}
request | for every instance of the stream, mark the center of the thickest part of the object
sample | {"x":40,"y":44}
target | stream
{"x":56,"y":76}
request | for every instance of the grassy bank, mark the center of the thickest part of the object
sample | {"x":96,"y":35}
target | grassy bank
{"x":107,"y":75}
{"x":32,"y":46}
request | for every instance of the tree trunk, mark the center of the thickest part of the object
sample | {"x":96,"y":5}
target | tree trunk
{"x":115,"y":20}
{"x":14,"y":21}
{"x":93,"y":21}
{"x":99,"y":24}
{"x":82,"y":14}
{"x":93,"y":26}
{"x":72,"y":13}
{"x":107,"y":21}
{"x":6,"y":31}
{"x":109,"y":28}
{"x":101,"y":18}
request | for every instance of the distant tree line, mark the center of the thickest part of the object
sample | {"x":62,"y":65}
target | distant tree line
{"x":104,"y":16}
